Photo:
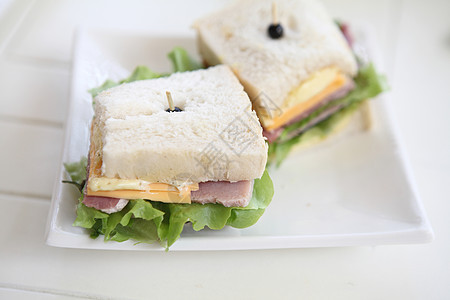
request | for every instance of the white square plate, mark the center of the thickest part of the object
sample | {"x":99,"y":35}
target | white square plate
{"x":357,"y":191}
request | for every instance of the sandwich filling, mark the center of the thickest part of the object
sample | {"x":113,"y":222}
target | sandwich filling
{"x":104,"y":193}
{"x":228,"y":194}
{"x":307,"y":95}
{"x":321,"y":89}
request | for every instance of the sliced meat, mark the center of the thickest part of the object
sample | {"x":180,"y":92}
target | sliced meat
{"x":347,"y":34}
{"x":229,"y":194}
{"x":344,"y":90}
{"x":322,"y":116}
{"x":273,"y":135}
{"x":105,"y":204}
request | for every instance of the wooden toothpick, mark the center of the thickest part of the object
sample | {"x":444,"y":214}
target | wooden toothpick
{"x":169,"y":99}
{"x":274,"y":13}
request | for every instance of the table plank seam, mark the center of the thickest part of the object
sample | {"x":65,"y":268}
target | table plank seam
{"x":25,"y":12}
{"x":30,"y":121}
{"x":36,"y":61}
{"x":31,"y":196}
{"x":56,"y":292}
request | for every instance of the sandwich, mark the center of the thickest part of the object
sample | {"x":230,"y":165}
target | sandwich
{"x":166,"y":151}
{"x":294,"y":62}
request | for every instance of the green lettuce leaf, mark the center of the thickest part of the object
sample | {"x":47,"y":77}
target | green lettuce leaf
{"x":141,"y":73}
{"x":106,"y":85}
{"x":181,"y":62}
{"x":77,"y":173}
{"x":88,"y":216}
{"x":147,"y":221}
{"x":368,"y":84}
{"x":134,"y":222}
{"x":139,"y":230}
{"x":77,"y":170}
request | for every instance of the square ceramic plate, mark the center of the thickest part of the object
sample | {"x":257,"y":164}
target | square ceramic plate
{"x":356,"y":191}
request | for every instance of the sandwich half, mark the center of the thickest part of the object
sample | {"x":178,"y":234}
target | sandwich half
{"x":297,"y":80}
{"x":202,"y":162}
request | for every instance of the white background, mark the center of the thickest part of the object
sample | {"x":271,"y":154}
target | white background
{"x":35,"y":60}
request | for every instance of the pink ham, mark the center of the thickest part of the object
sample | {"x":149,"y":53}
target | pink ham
{"x":229,"y":194}
{"x":347,"y":34}
{"x":105,"y":204}
{"x":273,"y":135}
{"x":322,"y":116}
{"x":100,"y":202}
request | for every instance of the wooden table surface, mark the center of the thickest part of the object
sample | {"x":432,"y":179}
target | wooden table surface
{"x":36,"y":39}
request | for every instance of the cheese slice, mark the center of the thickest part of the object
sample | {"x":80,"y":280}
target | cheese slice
{"x":98,"y":185}
{"x":307,"y":95}
{"x":183,"y":196}
{"x":137,"y":189}
{"x":316,"y":83}
{"x":112,"y":184}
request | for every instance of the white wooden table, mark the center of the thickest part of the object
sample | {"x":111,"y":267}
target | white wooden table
{"x":35,"y":60}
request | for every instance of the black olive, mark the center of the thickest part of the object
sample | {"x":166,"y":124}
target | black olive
{"x":177,"y":109}
{"x":275,"y":31}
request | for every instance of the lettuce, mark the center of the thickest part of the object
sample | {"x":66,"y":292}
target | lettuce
{"x":368,"y":84}
{"x":77,"y":173}
{"x":181,"y":62}
{"x":147,"y":221}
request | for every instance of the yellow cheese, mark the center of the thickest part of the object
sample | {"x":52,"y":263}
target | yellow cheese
{"x":98,"y":185}
{"x":140,"y":189}
{"x":319,"y":81}
{"x":112,"y":184}
{"x":183,"y":196}
{"x":303,"y":103}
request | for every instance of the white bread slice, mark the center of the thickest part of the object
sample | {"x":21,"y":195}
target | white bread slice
{"x":237,"y":36}
{"x":217,"y":137}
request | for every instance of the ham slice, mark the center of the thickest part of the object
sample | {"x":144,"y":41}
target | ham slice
{"x":347,"y":34}
{"x":273,"y":135}
{"x":229,"y":194}
{"x":105,"y":204}
{"x":322,"y":116}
